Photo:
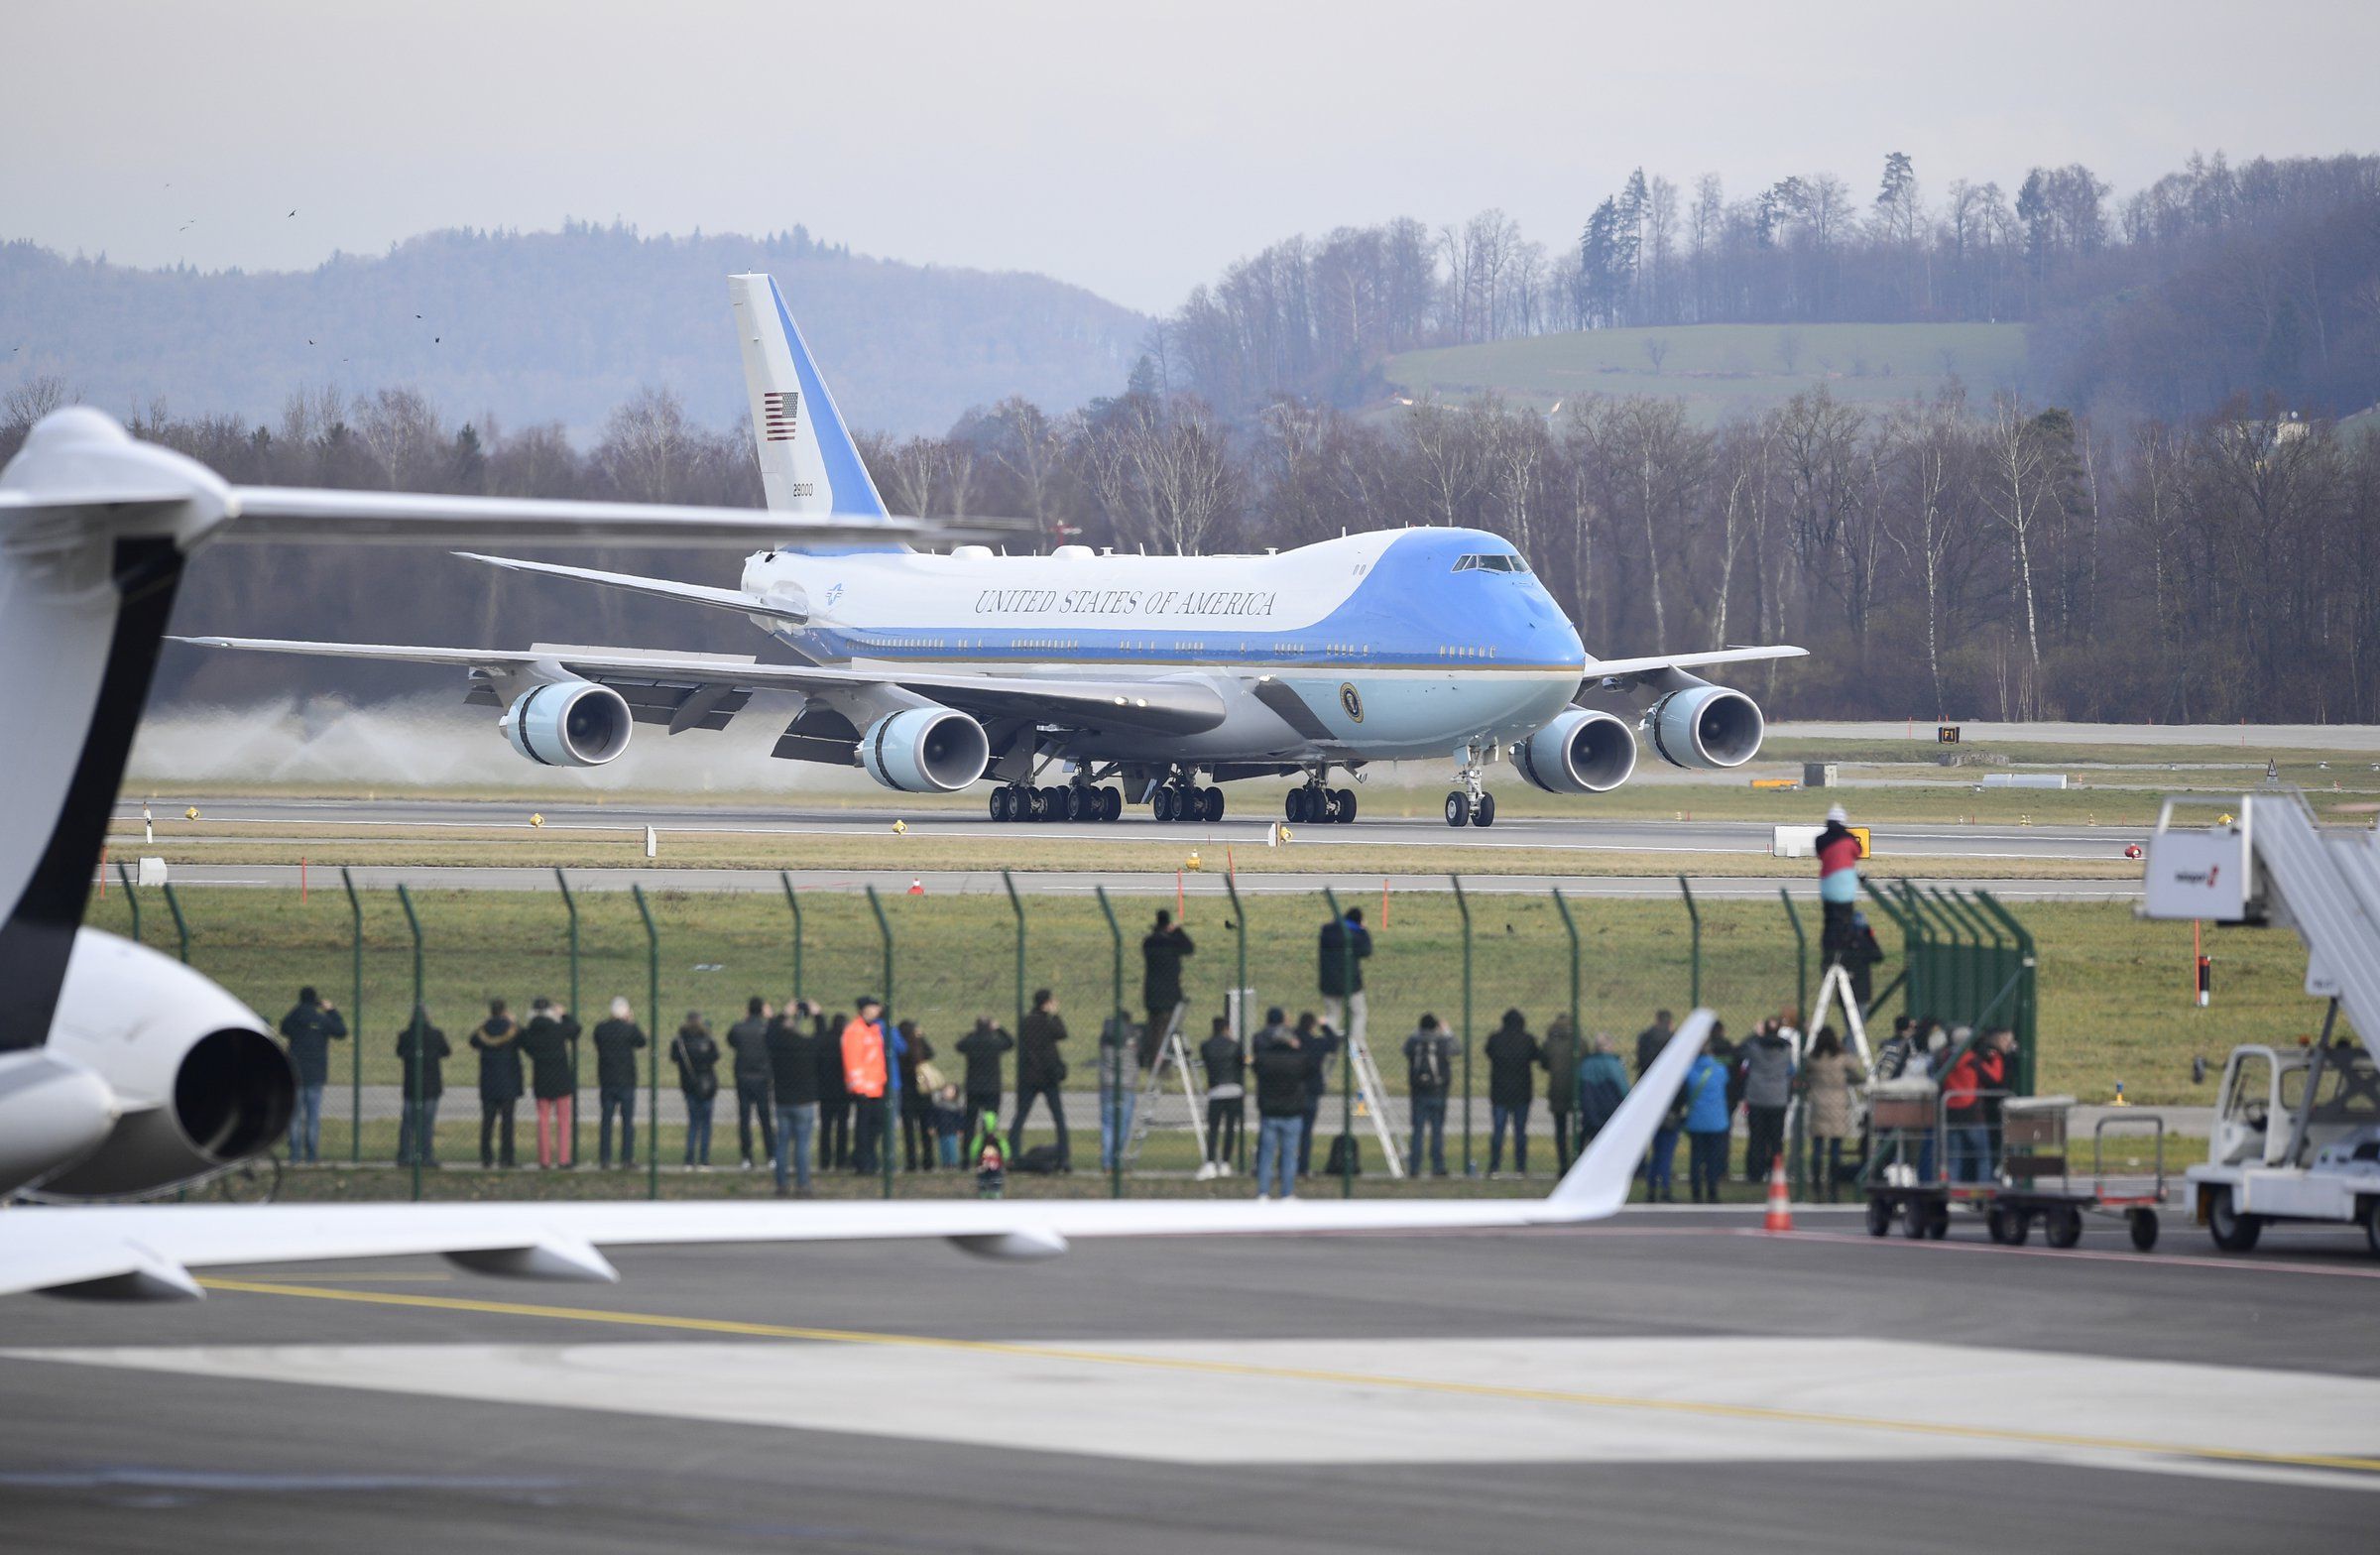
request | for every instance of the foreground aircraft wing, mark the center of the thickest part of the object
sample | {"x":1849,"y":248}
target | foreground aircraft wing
{"x":1163,"y":706}
{"x":145,"y":1250}
{"x":1600,"y":667}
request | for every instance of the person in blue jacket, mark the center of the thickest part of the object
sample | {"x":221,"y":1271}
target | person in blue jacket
{"x":1704,"y":1096}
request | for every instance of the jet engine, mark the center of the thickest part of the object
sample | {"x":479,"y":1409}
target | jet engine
{"x":193,"y":1078}
{"x":925,"y":750}
{"x":568,"y":723}
{"x":1581,"y":752}
{"x":1705,"y":726}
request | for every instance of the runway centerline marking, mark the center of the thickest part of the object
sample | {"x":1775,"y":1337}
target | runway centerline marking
{"x":1763,"y":1414}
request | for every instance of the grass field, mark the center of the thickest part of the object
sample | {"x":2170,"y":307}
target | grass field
{"x":2114,"y":990}
{"x":1724,"y":370}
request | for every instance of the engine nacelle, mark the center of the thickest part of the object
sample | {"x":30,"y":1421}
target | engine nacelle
{"x":925,"y":750}
{"x":197,"y":1081}
{"x":568,"y":723}
{"x":1705,"y":727}
{"x":1581,"y":752}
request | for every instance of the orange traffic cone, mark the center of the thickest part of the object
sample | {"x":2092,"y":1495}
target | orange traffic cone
{"x":1780,"y":1209}
{"x":917,"y":887}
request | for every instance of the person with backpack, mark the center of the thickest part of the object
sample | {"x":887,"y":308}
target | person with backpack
{"x":917,"y":1098}
{"x":1512,"y":1056}
{"x":1766,"y":1061}
{"x":1429,"y":1071}
{"x":1602,"y":1081}
{"x":496,"y":1040}
{"x":696,"y":1053}
{"x":794,"y":1080}
{"x":1227,"y":1092}
{"x":1703,"y":1113}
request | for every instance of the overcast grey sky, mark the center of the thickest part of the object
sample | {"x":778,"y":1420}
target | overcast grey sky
{"x":1132,"y":148}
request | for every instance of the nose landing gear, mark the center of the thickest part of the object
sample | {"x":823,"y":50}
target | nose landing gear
{"x":1472,"y":805}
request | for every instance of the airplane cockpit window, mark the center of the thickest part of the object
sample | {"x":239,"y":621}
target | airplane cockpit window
{"x":1489,"y":563}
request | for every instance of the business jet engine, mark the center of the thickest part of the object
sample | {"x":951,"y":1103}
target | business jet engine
{"x":925,"y":750}
{"x":180,"y":1079}
{"x":1581,"y":752}
{"x":1705,"y":726}
{"x":568,"y":723}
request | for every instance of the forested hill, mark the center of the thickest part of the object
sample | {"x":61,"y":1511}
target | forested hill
{"x":554,"y":326}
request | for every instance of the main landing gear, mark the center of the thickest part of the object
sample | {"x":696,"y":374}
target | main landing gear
{"x":1185,"y":801}
{"x":1472,"y":805}
{"x":1316,"y":803}
{"x":1063,"y":801}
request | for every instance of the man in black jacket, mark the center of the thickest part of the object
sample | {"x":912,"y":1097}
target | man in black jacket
{"x":497,"y":1043}
{"x":1041,"y":1069}
{"x":552,"y":1080}
{"x":1161,"y":956}
{"x":1281,"y":1070}
{"x":1227,"y":1096}
{"x":696,"y":1053}
{"x":422,"y":1051}
{"x":615,"y":1045}
{"x":982,"y":1048}
{"x":747,"y":1039}
{"x":309,"y":1029}
{"x":1318,"y":1043}
{"x":1512,"y":1057}
{"x":1652,"y":1039}
{"x":1429,"y":1071}
{"x":793,"y":1044}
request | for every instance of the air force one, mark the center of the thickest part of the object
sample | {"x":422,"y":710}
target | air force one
{"x":123,"y":1073}
{"x":1079,"y":681}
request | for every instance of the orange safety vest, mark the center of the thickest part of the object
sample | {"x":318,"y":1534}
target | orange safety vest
{"x":864,"y":1059}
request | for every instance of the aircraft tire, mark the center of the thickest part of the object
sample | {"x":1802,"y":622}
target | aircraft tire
{"x":998,"y":804}
{"x":1343,"y":807}
{"x":1483,"y":812}
{"x":1294,"y":807}
{"x":1110,"y":804}
{"x":1078,"y":801}
{"x":1458,"y":808}
{"x":1214,"y":805}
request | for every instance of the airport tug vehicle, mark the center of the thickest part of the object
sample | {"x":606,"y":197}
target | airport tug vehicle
{"x":2296,"y":1130}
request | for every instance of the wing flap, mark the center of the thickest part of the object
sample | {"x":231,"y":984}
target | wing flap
{"x":1722,"y":656}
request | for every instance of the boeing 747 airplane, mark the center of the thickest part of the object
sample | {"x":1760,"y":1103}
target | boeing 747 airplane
{"x":1079,"y":681}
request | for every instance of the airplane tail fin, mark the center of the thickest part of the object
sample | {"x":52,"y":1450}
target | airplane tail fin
{"x":808,"y":461}
{"x":1597,"y":1182}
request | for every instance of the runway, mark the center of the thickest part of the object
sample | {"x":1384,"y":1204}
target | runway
{"x":1665,"y":1381}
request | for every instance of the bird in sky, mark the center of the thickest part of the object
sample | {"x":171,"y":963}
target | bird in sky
{"x":291,"y":213}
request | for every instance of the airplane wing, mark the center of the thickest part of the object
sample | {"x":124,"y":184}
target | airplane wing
{"x":1161,"y":706}
{"x":734,"y":599}
{"x":136,"y":1251}
{"x":296,"y":513}
{"x":1598,"y":669}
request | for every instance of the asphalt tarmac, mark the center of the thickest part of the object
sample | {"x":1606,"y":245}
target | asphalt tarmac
{"x":1664,"y":1381}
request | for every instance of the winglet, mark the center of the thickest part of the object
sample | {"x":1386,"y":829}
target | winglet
{"x":1598,"y":1183}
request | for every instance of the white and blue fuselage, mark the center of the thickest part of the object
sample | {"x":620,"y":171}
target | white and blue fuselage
{"x":1377,"y":646}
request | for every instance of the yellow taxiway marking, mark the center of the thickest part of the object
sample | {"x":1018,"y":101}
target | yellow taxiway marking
{"x":371,"y":1279}
{"x":1250,"y":1368}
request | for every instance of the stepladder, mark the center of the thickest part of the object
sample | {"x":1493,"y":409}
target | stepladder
{"x":1171,"y":1069}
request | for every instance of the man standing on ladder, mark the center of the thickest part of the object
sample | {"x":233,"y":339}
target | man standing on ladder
{"x":1344,"y":946}
{"x":1161,"y":955}
{"x":1839,"y":855}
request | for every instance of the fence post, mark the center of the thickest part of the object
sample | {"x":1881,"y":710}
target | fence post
{"x":794,"y":902}
{"x":1107,"y":1119}
{"x":1578,"y":1038}
{"x":1801,"y":956}
{"x":2027,"y":992}
{"x":891,"y":1124}
{"x":1017,"y":906}
{"x":1936,"y":989}
{"x":132,"y":899}
{"x":1240,"y":992}
{"x":1989,"y":975}
{"x":411,"y":1108}
{"x":570,"y":904}
{"x":1694,"y":919}
{"x":355,"y":1009}
{"x":1911,"y":943}
{"x":1346,"y":1050}
{"x":182,"y":925}
{"x":1470,"y":1163}
{"x":1959,"y":978}
{"x":653,"y":1004}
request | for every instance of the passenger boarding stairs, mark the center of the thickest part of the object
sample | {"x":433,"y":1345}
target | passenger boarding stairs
{"x":2275,"y":864}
